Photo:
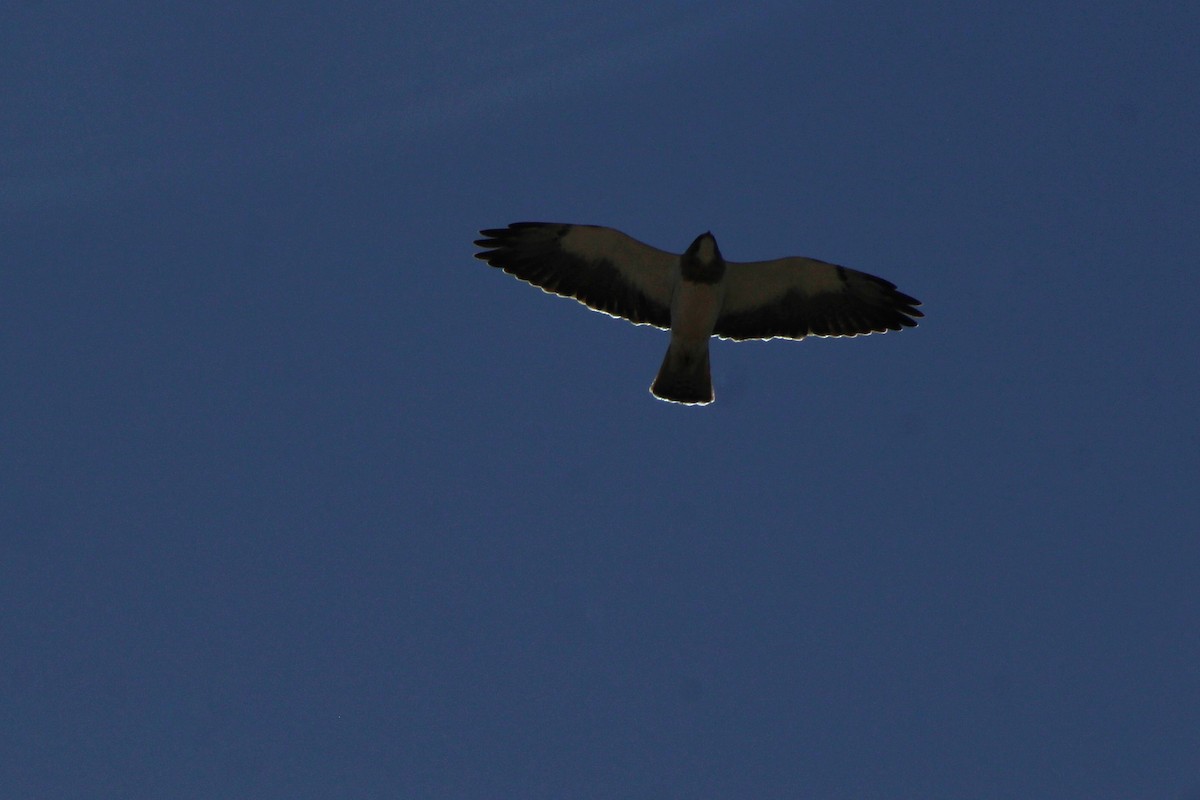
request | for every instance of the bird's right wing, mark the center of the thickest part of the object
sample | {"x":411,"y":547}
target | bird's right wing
{"x":791,"y":298}
{"x":600,"y":267}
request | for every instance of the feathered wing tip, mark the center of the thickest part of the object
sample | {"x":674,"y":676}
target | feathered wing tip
{"x":902,"y":307}
{"x":684,"y":376}
{"x":602,"y":268}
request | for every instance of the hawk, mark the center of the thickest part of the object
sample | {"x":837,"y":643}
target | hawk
{"x":696,"y":295}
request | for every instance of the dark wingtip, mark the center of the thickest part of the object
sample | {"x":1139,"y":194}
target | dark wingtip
{"x":493,"y":239}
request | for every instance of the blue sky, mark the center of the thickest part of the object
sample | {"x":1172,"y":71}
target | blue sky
{"x":301,"y":500}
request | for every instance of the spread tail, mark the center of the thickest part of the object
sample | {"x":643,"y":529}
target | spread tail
{"x":684,"y":376}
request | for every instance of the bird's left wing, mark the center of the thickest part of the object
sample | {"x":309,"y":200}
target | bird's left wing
{"x":600,"y":267}
{"x":791,"y":298}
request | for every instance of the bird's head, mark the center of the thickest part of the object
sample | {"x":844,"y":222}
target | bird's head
{"x":704,"y":249}
{"x":702,"y":261}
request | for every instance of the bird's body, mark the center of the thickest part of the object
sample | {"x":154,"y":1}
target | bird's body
{"x":696,"y":295}
{"x":685,"y":375}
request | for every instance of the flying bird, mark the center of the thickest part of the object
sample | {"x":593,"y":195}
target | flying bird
{"x":696,"y":295}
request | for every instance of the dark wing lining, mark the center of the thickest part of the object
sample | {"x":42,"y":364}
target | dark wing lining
{"x":600,"y":267}
{"x":792,"y":298}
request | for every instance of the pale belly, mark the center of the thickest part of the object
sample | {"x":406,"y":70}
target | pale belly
{"x":694,"y":310}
